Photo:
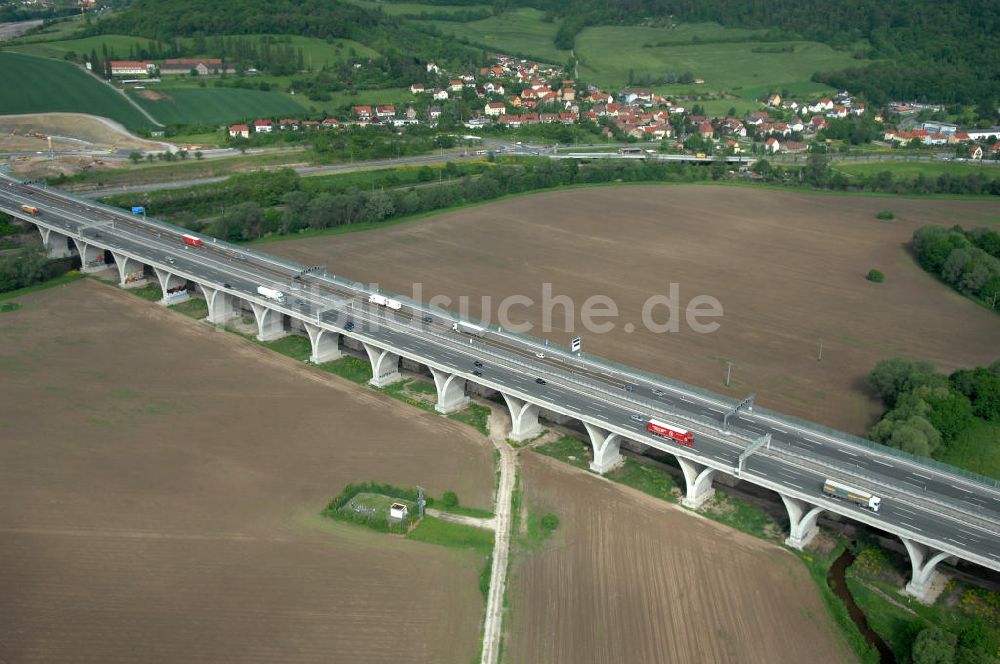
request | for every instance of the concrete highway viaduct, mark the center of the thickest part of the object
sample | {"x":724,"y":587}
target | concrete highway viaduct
{"x":336,"y":317}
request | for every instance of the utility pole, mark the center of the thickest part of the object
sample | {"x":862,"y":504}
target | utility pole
{"x":729,"y":371}
{"x":819,"y":357}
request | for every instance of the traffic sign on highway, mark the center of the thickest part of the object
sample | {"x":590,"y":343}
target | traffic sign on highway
{"x":138,"y":209}
{"x":576,"y":344}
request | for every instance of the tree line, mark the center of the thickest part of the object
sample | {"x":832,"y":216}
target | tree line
{"x":927,"y":411}
{"x":969,"y":261}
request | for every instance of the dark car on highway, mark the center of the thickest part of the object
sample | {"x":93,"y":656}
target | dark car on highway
{"x":540,"y":381}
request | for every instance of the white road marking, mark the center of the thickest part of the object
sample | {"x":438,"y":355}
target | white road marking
{"x":882,"y":463}
{"x":903,"y":509}
{"x":926,"y":477}
{"x":959,"y":488}
{"x":849,"y":453}
{"x":910,"y":525}
{"x":797,"y":486}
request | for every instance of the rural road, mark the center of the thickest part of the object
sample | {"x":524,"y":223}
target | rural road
{"x":329,"y":169}
{"x":493,"y":623}
{"x":475,"y":522}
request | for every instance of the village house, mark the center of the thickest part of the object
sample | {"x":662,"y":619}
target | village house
{"x":263,"y":126}
{"x":362,"y":112}
{"x":495,"y":108}
{"x":200,"y":66}
{"x":331,"y":123}
{"x":288,"y":123}
{"x":132,"y":67}
{"x":385,"y":111}
{"x":976,"y":151}
{"x":705,"y":130}
{"x":239,"y":131}
{"x":416,"y":88}
{"x":772,"y":145}
{"x":434,"y":112}
{"x":455,"y":85}
{"x":440,"y":95}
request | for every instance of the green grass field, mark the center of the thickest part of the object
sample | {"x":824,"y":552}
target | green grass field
{"x":118,"y":44}
{"x":209,"y":105}
{"x":977,"y":449}
{"x":38,"y":85}
{"x":607,"y":54}
{"x":398,"y":8}
{"x":910,"y":169}
{"x":518,"y":31}
{"x":316,"y":52}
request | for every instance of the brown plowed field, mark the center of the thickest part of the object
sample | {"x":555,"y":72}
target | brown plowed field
{"x":789,"y":269}
{"x":627,"y":578}
{"x":159,"y":490}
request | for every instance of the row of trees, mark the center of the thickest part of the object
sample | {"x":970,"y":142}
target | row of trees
{"x":967,"y":260}
{"x":927,"y":411}
{"x":27,"y":267}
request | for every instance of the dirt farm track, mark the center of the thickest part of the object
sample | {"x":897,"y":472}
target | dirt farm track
{"x":159,"y":490}
{"x":788,"y":268}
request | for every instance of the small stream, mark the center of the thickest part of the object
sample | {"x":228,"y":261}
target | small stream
{"x":838,"y":584}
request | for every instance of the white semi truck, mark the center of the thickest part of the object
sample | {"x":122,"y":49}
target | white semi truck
{"x":271,"y":294}
{"x":836,"y":489}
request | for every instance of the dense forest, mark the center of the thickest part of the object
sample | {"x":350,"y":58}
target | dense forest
{"x":969,"y":261}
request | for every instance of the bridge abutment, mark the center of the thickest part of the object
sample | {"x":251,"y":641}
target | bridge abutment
{"x":450,"y":391}
{"x":131,"y":272}
{"x":325,"y":344}
{"x":270,"y":322}
{"x":58,"y":245}
{"x":523,"y":418}
{"x":221,"y":305}
{"x":91,"y":256}
{"x":923,"y":560}
{"x":168,"y":282}
{"x":385,"y":366}
{"x":607,"y":449}
{"x":698,"y":483}
{"x":802,"y":518}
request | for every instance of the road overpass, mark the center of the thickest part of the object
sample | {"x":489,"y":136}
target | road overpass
{"x":937,"y":511}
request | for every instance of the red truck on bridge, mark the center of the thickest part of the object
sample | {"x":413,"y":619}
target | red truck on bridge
{"x":671,"y":432}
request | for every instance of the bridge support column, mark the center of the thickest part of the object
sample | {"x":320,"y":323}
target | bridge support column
{"x":325,"y":344}
{"x":167,"y":280}
{"x":607,"y":449}
{"x":802,"y":518}
{"x":523,"y":418}
{"x":57,"y":244}
{"x":385,"y":366}
{"x":131,"y":273}
{"x":91,"y":257}
{"x":221,"y":305}
{"x":698,"y":480}
{"x":450,"y":391}
{"x":270,"y":322}
{"x":923,"y":560}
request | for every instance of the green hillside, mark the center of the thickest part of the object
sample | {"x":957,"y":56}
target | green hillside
{"x":38,"y":85}
{"x":175,"y":105}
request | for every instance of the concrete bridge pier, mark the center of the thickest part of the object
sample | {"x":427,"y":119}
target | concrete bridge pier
{"x":802,"y":518}
{"x":385,"y":366}
{"x":607,"y":449}
{"x":450,"y":391}
{"x":91,"y":256}
{"x":270,"y":322}
{"x":325,"y":344}
{"x":131,"y":272}
{"x":698,"y":482}
{"x":923,"y":560}
{"x":57,"y":244}
{"x":523,"y":418}
{"x":167,"y":280}
{"x":221,"y":305}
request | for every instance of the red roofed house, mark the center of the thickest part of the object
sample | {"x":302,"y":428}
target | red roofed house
{"x":416,"y":88}
{"x":705,"y":129}
{"x":362,"y":112}
{"x":772,"y":145}
{"x":976,"y":152}
{"x":332,"y":123}
{"x":239,"y":130}
{"x":262,"y":126}
{"x":455,"y":85}
{"x":495,"y":108}
{"x":385,"y":111}
{"x":131,"y":67}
